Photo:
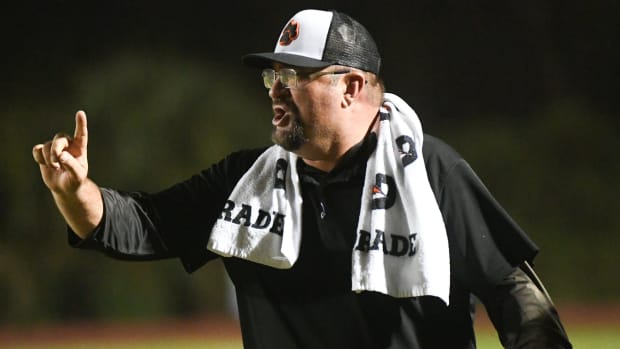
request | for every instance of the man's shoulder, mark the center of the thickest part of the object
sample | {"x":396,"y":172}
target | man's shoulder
{"x":241,"y":160}
{"x":248,"y":155}
{"x":225,"y":173}
{"x":437,"y":151}
{"x":441,"y":160}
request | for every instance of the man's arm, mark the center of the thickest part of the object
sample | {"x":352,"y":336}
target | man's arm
{"x":81,"y":209}
{"x":132,"y":225}
{"x":64,"y":168}
{"x":523,"y":313}
{"x":486,"y":246}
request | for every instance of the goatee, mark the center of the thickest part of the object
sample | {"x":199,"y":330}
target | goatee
{"x":291,"y":139}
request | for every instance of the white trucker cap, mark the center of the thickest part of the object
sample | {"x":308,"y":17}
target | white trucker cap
{"x":317,"y":39}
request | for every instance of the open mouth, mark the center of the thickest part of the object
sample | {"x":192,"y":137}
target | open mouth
{"x":280,"y":116}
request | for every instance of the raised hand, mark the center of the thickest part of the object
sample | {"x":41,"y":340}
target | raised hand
{"x":63,"y":160}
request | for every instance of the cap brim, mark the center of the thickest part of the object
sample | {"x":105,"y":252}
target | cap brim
{"x":266,"y":59}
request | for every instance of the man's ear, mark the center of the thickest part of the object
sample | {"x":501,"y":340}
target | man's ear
{"x":355,"y":84}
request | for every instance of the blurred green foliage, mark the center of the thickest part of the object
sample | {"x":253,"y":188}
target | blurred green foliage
{"x":157,"y":119}
{"x":556,"y":173}
{"x":152,"y":121}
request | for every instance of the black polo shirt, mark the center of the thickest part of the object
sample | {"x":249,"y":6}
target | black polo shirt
{"x":311,"y":305}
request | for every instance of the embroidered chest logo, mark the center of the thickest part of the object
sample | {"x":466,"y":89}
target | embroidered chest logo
{"x":290,"y":33}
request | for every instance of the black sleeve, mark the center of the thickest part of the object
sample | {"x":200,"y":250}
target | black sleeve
{"x":485,"y":243}
{"x":175,"y":222}
{"x":523,"y":313}
{"x":486,"y":249}
{"x":126,"y":230}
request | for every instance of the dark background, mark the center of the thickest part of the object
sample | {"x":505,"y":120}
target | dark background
{"x":525,"y":90}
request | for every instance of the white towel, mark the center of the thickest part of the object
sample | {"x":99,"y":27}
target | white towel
{"x":401,"y":247}
{"x":261,"y":220}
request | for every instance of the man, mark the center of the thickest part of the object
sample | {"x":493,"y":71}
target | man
{"x":355,"y":230}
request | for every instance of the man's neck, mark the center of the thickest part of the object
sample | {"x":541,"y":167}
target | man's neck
{"x":363,"y":148}
{"x":324,"y":166}
{"x":326,"y":163}
{"x":326,"y":157}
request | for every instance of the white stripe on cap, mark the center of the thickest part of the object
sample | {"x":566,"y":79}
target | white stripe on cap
{"x":313,"y":26}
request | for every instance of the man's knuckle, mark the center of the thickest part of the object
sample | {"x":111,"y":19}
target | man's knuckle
{"x":61,"y":136}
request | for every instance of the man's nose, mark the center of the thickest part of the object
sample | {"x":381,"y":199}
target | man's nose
{"x":277,"y":89}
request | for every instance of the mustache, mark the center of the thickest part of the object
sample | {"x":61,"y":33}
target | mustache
{"x":286,"y":100}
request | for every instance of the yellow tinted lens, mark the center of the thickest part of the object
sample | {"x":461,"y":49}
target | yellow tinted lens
{"x":269,"y":77}
{"x":288,"y":77}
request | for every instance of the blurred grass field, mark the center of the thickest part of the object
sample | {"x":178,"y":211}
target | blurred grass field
{"x":585,"y":337}
{"x":587,"y":327}
{"x":581,"y":337}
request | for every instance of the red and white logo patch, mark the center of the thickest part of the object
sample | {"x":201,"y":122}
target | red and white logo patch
{"x":290,"y":33}
{"x":305,"y":34}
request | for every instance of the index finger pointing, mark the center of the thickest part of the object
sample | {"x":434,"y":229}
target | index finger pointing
{"x":81,"y":131}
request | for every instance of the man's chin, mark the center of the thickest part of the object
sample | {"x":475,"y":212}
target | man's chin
{"x":287,"y":139}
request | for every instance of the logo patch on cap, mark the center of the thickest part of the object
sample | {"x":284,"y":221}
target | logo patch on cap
{"x":290,"y":33}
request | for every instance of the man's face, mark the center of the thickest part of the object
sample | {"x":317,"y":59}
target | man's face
{"x":288,"y":128}
{"x":302,"y":113}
